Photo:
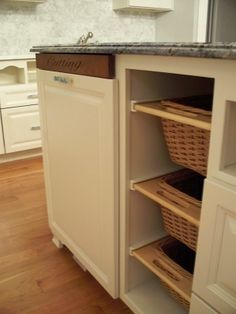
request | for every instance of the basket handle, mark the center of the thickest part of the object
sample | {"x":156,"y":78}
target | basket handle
{"x":167,"y":269}
{"x":172,"y":198}
{"x":180,"y":198}
{"x":174,"y":276}
{"x":163,"y":266}
{"x":183,"y":110}
{"x":184,"y":209}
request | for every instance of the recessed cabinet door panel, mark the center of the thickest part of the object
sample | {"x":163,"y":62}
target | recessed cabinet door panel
{"x":215,"y":271}
{"x":21,"y":128}
{"x":79,"y":117}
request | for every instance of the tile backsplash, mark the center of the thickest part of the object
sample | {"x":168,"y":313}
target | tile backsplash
{"x":64,"y":21}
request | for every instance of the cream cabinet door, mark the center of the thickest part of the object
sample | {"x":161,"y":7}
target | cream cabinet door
{"x":80,"y":147}
{"x":199,"y":307}
{"x":21,"y":128}
{"x":2,"y":150}
{"x":215,"y":270}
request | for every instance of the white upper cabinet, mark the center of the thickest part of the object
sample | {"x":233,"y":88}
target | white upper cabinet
{"x":148,"y":5}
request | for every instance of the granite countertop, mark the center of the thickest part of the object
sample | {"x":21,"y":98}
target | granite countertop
{"x":200,"y":50}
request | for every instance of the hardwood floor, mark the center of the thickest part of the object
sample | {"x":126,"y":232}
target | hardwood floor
{"x":36,"y":277}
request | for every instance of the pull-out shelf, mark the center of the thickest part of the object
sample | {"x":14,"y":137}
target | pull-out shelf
{"x":154,"y":191}
{"x":157,"y":109}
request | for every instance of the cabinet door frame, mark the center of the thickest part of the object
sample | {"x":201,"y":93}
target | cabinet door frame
{"x":213,"y":277}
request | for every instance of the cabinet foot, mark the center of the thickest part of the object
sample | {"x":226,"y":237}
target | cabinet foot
{"x":79,"y":263}
{"x":57,"y":242}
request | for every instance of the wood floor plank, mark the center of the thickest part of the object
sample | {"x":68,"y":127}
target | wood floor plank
{"x":35,"y":276}
{"x":20,"y":167}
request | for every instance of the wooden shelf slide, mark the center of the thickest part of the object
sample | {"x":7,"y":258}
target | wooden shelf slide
{"x":157,"y":109}
{"x":153,"y":190}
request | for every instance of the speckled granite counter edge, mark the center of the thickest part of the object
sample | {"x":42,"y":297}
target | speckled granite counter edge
{"x":221,"y":51}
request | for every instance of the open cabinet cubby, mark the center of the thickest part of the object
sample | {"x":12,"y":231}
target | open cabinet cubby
{"x":12,"y":75}
{"x":16,"y":72}
{"x":147,"y":159}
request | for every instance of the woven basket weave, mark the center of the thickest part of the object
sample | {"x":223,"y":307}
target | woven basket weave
{"x":180,"y":228}
{"x":184,"y":189}
{"x":188,"y":145}
{"x":175,"y":295}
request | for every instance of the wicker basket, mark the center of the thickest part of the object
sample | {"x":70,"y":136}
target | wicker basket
{"x":188,"y":145}
{"x":184,"y":190}
{"x":173,"y":263}
{"x":179,"y":263}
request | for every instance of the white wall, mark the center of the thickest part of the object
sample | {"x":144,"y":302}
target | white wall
{"x":64,"y":21}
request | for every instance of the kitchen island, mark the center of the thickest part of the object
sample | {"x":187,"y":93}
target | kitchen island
{"x":137,"y":75}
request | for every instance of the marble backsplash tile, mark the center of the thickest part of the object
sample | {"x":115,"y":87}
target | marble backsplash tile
{"x":64,"y":21}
